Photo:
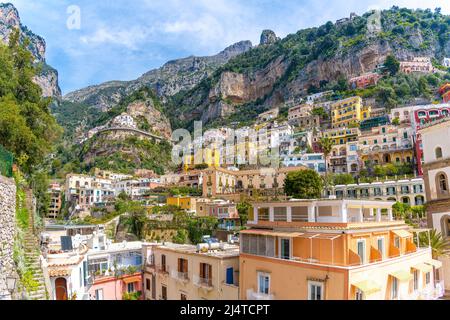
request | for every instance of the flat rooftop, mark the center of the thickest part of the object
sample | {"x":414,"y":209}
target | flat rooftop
{"x":227,"y":251}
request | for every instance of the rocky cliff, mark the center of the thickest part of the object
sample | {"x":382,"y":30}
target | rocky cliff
{"x":280,"y":70}
{"x":173,"y":77}
{"x":10,"y":20}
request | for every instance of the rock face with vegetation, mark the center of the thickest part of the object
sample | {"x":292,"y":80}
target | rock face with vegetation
{"x":47,"y":79}
{"x":173,"y":77}
{"x":244,"y":81}
{"x":312,"y":60}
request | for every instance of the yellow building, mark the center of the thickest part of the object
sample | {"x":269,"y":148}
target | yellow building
{"x":185,"y":203}
{"x":341,"y":136}
{"x":211,"y":158}
{"x":349,"y":112}
{"x":187,"y":272}
{"x":334,"y":250}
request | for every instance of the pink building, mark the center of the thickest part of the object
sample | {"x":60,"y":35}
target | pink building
{"x":417,"y":64}
{"x":112,"y":288}
{"x":365,"y":80}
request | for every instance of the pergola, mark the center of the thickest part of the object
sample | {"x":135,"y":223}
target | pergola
{"x":322,"y":236}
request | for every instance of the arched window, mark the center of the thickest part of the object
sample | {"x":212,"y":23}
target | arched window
{"x":438,"y":153}
{"x":443,"y":186}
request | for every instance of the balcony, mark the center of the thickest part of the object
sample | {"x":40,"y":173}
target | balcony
{"x":430,"y":292}
{"x":204,"y":283}
{"x":150,"y":267}
{"x":162,"y":269}
{"x":180,"y":276}
{"x":252,"y":295}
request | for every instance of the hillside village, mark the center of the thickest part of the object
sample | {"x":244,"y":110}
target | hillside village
{"x":337,"y":191}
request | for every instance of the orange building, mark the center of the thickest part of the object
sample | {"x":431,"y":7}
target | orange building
{"x":444,"y":91}
{"x":334,"y":250}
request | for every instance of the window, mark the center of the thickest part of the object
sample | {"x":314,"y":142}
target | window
{"x":147,"y":284}
{"x":359,"y":295}
{"x":163,"y":262}
{"x":397,"y":242}
{"x":131,"y":287}
{"x":394,"y":289}
{"x":263,"y":283}
{"x":443,"y":183}
{"x":183,"y":267}
{"x":315,"y":290}
{"x":416,"y":280}
{"x":380,"y":243}
{"x":163,"y":293}
{"x":362,"y":250}
{"x":438,"y":153}
{"x":285,"y":249}
{"x":427,"y":278}
{"x":99,"y":294}
{"x":206,"y":274}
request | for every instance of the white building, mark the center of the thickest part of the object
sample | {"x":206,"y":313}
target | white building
{"x":446,"y":62}
{"x":314,"y":161}
{"x":124,"y":120}
{"x":436,"y":173}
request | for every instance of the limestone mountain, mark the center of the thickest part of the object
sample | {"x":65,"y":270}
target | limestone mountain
{"x":173,"y":77}
{"x":279,"y":71}
{"x":48,"y":77}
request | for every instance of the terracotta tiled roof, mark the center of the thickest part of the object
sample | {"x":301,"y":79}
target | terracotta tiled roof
{"x":66,"y":264}
{"x":59,"y":272}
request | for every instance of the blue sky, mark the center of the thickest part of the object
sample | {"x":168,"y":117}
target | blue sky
{"x":122,"y":39}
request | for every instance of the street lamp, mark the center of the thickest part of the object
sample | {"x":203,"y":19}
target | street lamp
{"x":10,"y":286}
{"x":11,"y":283}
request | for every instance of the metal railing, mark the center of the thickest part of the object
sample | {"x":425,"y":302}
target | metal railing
{"x":6,"y":162}
{"x":203,"y":282}
{"x":183,"y":276}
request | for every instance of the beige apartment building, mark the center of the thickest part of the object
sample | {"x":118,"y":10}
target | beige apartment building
{"x":436,"y":175}
{"x":219,"y":182}
{"x":188,"y":272}
{"x":334,"y":250}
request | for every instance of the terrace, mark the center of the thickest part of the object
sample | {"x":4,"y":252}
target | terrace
{"x":304,"y":213}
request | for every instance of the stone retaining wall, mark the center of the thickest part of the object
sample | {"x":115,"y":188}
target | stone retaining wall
{"x":7,"y":232}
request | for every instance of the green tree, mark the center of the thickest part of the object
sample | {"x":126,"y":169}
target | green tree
{"x":326,"y":144}
{"x":243,"y":209}
{"x":391,"y":65}
{"x":303,"y":184}
{"x":439,"y":244}
{"x":401,"y":210}
{"x":26,"y":126}
{"x":343,"y":179}
{"x":181,"y":237}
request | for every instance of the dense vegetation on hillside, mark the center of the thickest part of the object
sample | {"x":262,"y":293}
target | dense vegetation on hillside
{"x":417,"y":31}
{"x":27,"y":128}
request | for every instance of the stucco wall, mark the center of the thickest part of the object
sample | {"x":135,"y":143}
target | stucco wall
{"x":7,"y":231}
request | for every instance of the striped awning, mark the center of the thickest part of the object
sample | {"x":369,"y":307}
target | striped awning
{"x":402,"y":275}
{"x":368,"y":287}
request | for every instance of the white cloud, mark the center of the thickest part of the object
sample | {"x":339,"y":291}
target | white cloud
{"x":129,"y":38}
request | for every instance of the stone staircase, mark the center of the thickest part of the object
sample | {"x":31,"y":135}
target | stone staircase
{"x":32,"y":254}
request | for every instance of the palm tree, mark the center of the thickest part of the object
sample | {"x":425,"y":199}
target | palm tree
{"x":439,"y":244}
{"x":326,"y":144}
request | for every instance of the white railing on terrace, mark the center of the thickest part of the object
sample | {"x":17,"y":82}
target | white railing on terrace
{"x":252,"y":295}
